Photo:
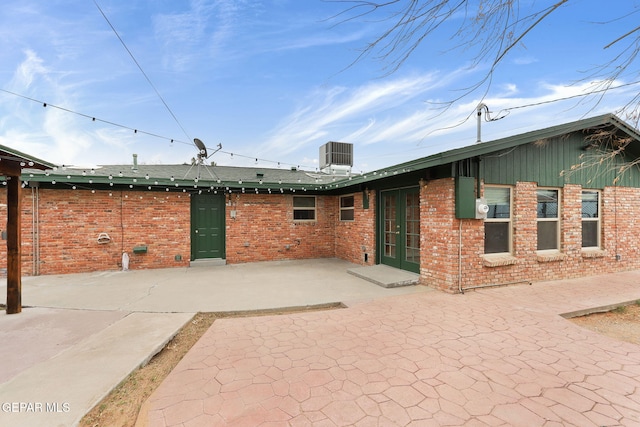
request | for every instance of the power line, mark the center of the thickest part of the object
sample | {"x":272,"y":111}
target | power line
{"x":141,"y":70}
{"x":535,"y":104}
{"x":140,"y":131}
{"x":572,"y":96}
{"x":93,"y":118}
{"x":160,"y":96}
{"x":258,"y":159}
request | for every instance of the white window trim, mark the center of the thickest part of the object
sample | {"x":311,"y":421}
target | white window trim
{"x":503,"y":220}
{"x":598,"y":220}
{"x":557,"y":219}
{"x":350,"y":208}
{"x":300,"y":208}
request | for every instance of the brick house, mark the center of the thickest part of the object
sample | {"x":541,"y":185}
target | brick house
{"x":555,"y":203}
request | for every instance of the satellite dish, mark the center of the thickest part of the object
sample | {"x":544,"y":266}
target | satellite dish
{"x":202,"y":149}
{"x":202,"y":154}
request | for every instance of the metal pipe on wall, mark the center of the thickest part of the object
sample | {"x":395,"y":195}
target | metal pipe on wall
{"x":460,"y":257}
{"x":35,"y":229}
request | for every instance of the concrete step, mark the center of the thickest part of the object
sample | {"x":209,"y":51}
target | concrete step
{"x":208,"y":262}
{"x":385,"y":276}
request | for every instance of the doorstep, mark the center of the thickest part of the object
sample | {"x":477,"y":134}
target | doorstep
{"x":208,"y":262}
{"x":385,"y":276}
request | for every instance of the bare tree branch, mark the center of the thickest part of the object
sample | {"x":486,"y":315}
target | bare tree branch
{"x":491,"y":29}
{"x":622,"y":37}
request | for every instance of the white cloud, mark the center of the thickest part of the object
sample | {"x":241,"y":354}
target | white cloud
{"x":317,"y":40}
{"x":337,"y":106}
{"x":525,"y":60}
{"x":204,"y":30}
{"x":28,"y":70}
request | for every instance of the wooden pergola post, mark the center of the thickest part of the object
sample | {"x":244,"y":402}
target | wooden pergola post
{"x":14,"y":256}
{"x":12,"y":162}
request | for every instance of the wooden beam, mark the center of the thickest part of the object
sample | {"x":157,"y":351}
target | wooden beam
{"x":14,"y":256}
{"x":9,"y":168}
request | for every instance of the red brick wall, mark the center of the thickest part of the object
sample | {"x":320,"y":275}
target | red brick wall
{"x":264,"y":230}
{"x":621,"y":219}
{"x":356,"y":238}
{"x":440,"y":245}
{"x":68,"y":223}
{"x":438,"y":235}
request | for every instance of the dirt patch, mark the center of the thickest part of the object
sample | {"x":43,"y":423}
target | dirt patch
{"x":622,"y":323}
{"x":120,"y":408}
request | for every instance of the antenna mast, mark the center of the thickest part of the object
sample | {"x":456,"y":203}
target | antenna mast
{"x":487,"y":117}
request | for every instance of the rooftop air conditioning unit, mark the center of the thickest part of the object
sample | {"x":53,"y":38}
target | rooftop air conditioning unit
{"x":336,"y":157}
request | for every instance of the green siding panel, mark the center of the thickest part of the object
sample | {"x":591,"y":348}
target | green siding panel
{"x":543,"y":162}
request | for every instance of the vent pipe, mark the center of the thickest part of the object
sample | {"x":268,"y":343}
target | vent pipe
{"x":135,"y":162}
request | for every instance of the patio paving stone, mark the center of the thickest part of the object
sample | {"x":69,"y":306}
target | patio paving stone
{"x":492,"y":357}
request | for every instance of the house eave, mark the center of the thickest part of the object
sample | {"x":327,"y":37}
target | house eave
{"x":486,"y":148}
{"x":210,"y":178}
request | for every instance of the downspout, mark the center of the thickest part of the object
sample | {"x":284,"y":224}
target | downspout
{"x":38,"y":230}
{"x":615,"y":217}
{"x":35,"y":229}
{"x":460,"y":257}
{"x":121,"y":222}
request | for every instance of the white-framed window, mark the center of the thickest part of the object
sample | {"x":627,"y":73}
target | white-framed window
{"x":347,"y":212}
{"x":497,"y":225}
{"x":591,"y":219}
{"x":548,"y":213}
{"x":304,"y":208}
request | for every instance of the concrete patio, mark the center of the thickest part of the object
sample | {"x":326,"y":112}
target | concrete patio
{"x":395,"y":356}
{"x":492,"y":357}
{"x":80,"y":335}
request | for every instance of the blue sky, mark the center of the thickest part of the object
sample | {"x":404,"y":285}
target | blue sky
{"x":274,"y":80}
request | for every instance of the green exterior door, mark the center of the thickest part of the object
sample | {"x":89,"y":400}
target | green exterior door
{"x":207,"y":226}
{"x":399,"y":229}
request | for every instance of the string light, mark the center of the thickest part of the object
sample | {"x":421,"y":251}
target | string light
{"x":152,"y":134}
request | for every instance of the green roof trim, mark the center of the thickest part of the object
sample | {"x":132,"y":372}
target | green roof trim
{"x":29,"y":160}
{"x":192,"y":178}
{"x":485,"y":148}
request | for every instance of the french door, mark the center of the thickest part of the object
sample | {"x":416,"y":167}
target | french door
{"x":399,"y":229}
